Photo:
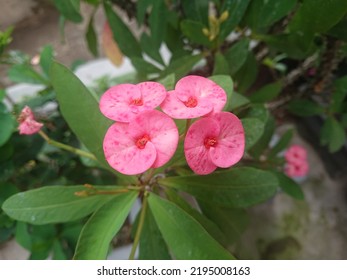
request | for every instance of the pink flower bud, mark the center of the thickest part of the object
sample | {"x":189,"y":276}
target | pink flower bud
{"x":27,"y":123}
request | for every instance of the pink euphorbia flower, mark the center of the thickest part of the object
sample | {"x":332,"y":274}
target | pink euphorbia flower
{"x":194,"y":97}
{"x":295,"y":153}
{"x":298,"y":169}
{"x":214,"y":141}
{"x":296,"y":161}
{"x":123,"y":102}
{"x":149,"y":140}
{"x":27,"y":123}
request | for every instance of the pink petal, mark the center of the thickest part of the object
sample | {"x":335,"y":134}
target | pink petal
{"x":115,"y":102}
{"x":122,"y":153}
{"x":26,"y":113}
{"x":295,"y":154}
{"x":176,"y":109}
{"x":153,"y":94}
{"x":197,"y":155}
{"x":202,"y":88}
{"x":231,"y":141}
{"x":162,"y":131}
{"x":29,"y":126}
{"x":296,"y":170}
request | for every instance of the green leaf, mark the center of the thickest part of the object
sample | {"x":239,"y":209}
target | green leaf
{"x":237,"y":55}
{"x":177,"y":227}
{"x":152,"y":244}
{"x":193,"y":31}
{"x":92,"y":40}
{"x":227,"y":84}
{"x":80,"y":109}
{"x":254,"y":129}
{"x":22,"y":73}
{"x":339,"y":30}
{"x":149,"y":48}
{"x":58,"y":251}
{"x":181,"y":66}
{"x":6,"y":190}
{"x":121,"y":33}
{"x":196,"y":10}
{"x":54,"y":204}
{"x":102,"y":226}
{"x":260,"y":112}
{"x":295,"y":45}
{"x":141,"y":9}
{"x":69,"y":9}
{"x":262,"y":13}
{"x":157,"y":22}
{"x":247,"y":74}
{"x":305,"y":108}
{"x":317,"y":16}
{"x":232,"y":221}
{"x":186,"y":206}
{"x":237,"y":101}
{"x":333,"y":135}
{"x":46,"y":57}
{"x":2,"y":94}
{"x":282,"y":143}
{"x":221,"y":66}
{"x":236,"y":10}
{"x":339,"y":95}
{"x":168,"y":82}
{"x":6,"y":126}
{"x":143,"y":66}
{"x":266,"y":93}
{"x":289,"y":186}
{"x":237,"y":187}
{"x":22,"y":235}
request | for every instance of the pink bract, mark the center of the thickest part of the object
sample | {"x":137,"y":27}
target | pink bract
{"x":295,"y":153}
{"x":27,"y":123}
{"x":214,"y":141}
{"x":297,"y":169}
{"x":149,"y":140}
{"x":123,"y":102}
{"x":194,"y":97}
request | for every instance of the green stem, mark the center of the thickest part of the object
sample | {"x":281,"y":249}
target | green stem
{"x":66,"y":147}
{"x":139,"y":227}
{"x":188,"y":123}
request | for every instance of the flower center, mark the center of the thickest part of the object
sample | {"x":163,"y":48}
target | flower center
{"x":142,"y":141}
{"x":136,"y":102}
{"x":210,"y":142}
{"x":191,"y":102}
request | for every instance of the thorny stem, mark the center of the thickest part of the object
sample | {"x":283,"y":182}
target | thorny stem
{"x":139,"y":227}
{"x":66,"y":147}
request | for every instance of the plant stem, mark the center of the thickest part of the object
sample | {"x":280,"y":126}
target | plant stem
{"x":139,"y":227}
{"x":188,"y":123}
{"x":66,"y":147}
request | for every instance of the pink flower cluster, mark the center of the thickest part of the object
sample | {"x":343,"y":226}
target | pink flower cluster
{"x":27,"y":123}
{"x":144,"y":137}
{"x":296,"y":161}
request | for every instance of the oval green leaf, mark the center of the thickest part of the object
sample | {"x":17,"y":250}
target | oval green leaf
{"x":54,"y":204}
{"x":177,"y":227}
{"x":254,"y":129}
{"x":81,"y":111}
{"x":102,"y":226}
{"x":239,"y":187}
